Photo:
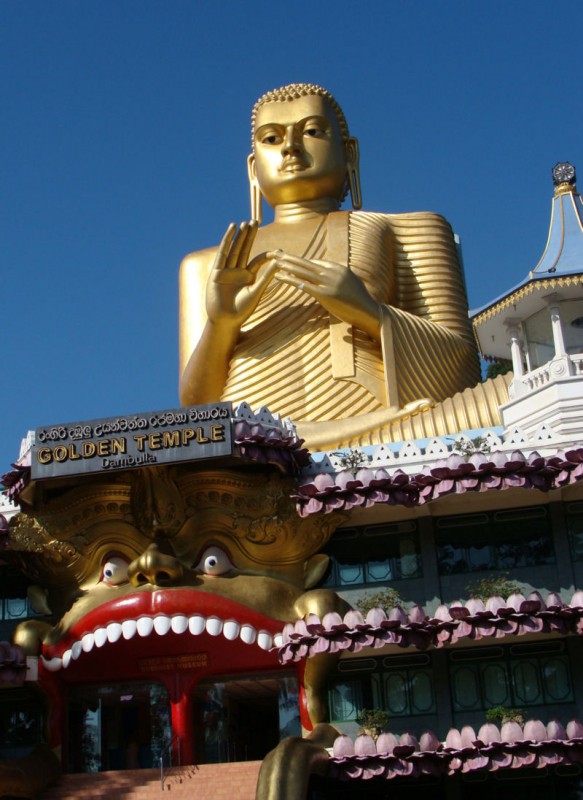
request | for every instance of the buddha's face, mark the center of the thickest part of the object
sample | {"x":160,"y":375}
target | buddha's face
{"x":298,"y":151}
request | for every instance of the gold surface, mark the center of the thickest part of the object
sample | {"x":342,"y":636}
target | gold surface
{"x":161,"y":521}
{"x":325,"y":316}
{"x":565,"y":188}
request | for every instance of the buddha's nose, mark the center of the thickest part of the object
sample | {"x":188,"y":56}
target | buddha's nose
{"x":291,"y":142}
{"x":155,"y":567}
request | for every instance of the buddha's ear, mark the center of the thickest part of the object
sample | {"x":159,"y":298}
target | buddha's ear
{"x":255,"y":191}
{"x":353,"y":169}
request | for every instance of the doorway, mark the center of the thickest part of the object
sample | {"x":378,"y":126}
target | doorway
{"x":117,"y":726}
{"x":242,"y":718}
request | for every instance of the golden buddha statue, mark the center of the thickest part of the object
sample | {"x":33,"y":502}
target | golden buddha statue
{"x":354,"y":324}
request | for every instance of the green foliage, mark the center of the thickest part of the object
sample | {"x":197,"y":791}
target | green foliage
{"x":469,"y":447}
{"x":372,"y":719}
{"x":501,"y":714}
{"x":495,"y":585}
{"x":498,"y":368}
{"x":352,"y":460}
{"x":385,"y":599}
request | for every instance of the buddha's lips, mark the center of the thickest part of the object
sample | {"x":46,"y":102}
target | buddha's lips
{"x":161,"y":612}
{"x":293,"y":164}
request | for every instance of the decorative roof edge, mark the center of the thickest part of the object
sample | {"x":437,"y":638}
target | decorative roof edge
{"x":535,"y":284}
{"x":456,"y":474}
{"x":13,"y":665}
{"x":449,"y":625}
{"x":513,"y":747}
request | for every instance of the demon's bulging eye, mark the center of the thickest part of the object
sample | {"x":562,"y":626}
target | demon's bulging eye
{"x":214,"y":561}
{"x":115,"y":570}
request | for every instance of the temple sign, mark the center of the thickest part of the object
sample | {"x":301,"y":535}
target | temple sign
{"x":347,"y":322}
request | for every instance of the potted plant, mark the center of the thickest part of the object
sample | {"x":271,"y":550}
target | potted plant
{"x":501,"y":714}
{"x":372,"y":721}
{"x":384,"y":598}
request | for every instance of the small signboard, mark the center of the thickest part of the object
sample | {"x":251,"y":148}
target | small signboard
{"x":137,"y":440}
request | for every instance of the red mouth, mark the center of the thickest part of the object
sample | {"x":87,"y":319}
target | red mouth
{"x":164,"y":611}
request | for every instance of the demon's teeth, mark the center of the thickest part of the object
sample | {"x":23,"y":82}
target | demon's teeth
{"x":100,"y":637}
{"x":162,"y":625}
{"x":113,"y":632}
{"x":231,"y":629}
{"x":264,"y":640}
{"x":278,"y":639}
{"x":129,"y":628}
{"x":196,"y":625}
{"x":248,"y":634}
{"x":145,"y":626}
{"x":214,"y":626}
{"x":52,"y":664}
{"x":179,"y":623}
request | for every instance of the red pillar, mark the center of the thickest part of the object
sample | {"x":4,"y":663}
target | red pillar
{"x":181,"y":710}
{"x":56,"y":723}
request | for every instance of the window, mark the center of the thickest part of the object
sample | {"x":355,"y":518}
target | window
{"x":402,"y":685}
{"x":575,"y":528}
{"x":374,"y":554}
{"x":21,"y":723}
{"x":14,"y":604}
{"x":515,"y":677}
{"x":499,"y":540}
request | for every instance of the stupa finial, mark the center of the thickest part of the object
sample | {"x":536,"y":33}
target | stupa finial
{"x":564,"y":177}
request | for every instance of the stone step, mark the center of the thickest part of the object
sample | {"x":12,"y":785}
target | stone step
{"x":234,"y":781}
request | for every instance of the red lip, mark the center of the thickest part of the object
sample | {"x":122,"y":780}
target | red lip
{"x":166,"y":602}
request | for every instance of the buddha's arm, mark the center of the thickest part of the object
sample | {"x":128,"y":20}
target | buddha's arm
{"x":219,"y":289}
{"x":426,"y":332}
{"x":336,"y":288}
{"x":203,"y":368}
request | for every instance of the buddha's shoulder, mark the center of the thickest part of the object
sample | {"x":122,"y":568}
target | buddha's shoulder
{"x":410,"y":218}
{"x":198,"y":263}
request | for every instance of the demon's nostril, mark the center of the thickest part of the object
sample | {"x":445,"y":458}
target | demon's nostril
{"x":162,"y":577}
{"x":140,"y":578}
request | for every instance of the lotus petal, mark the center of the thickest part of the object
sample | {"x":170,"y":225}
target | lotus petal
{"x":489,"y":733}
{"x":364,"y":745}
{"x":386,"y":743}
{"x":343,"y":747}
{"x":535,"y":730}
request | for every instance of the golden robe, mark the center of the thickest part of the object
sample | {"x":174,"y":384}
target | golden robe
{"x":337,"y":384}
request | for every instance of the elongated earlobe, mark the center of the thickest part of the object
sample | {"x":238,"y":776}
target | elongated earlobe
{"x":255,"y":191}
{"x":353,"y":166}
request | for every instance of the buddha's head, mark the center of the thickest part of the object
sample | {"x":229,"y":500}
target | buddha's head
{"x":302,"y":149}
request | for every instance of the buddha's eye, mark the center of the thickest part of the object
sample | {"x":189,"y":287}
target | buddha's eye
{"x":314,"y":129}
{"x":114,"y":571}
{"x":214,"y":561}
{"x":271,"y":138}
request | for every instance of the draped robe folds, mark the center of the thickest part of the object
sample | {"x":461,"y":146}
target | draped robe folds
{"x":295,"y":359}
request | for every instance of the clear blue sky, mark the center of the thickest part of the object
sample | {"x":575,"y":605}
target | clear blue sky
{"x":125,"y":128}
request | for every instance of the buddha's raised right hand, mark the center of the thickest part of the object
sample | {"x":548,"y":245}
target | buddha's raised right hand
{"x":235,"y":284}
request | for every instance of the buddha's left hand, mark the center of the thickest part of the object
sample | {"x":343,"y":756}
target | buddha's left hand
{"x":335,"y":287}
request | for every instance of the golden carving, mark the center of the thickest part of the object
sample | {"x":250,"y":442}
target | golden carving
{"x":344,"y":321}
{"x":565,"y":188}
{"x":157,"y":530}
{"x":536,"y":285}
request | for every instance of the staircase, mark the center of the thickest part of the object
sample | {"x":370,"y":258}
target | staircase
{"x":234,"y":781}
